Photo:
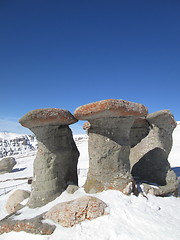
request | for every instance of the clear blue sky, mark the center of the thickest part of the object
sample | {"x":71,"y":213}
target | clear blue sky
{"x":67,"y":53}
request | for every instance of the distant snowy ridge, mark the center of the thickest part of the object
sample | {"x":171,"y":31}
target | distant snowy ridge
{"x":8,"y":135}
{"x":16,"y":144}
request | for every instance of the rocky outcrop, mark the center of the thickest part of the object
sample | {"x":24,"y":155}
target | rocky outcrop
{"x":151,"y":141}
{"x":33,"y":225}
{"x":7,"y":164}
{"x":73,"y":212}
{"x":55,"y":165}
{"x":109,"y":146}
{"x":13,"y":203}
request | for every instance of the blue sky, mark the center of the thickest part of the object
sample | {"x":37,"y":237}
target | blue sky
{"x":67,"y":53}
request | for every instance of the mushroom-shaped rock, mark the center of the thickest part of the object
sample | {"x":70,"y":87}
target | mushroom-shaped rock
{"x":47,"y":116}
{"x":110,"y":123}
{"x":149,"y":156}
{"x":55,"y":165}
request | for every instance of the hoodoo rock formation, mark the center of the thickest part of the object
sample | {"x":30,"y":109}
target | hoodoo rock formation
{"x":126,"y":146}
{"x":55,"y":165}
{"x":151,"y":142}
{"x":109,"y":146}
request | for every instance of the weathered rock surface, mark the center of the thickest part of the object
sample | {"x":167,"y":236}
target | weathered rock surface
{"x":33,"y":225}
{"x":149,"y":154}
{"x":72,"y":189}
{"x":55,"y":165}
{"x":139,"y":130}
{"x":7,"y":164}
{"x":13,"y":203}
{"x":108,"y":108}
{"x":73,"y":212}
{"x":47,"y":116}
{"x":109,"y":145}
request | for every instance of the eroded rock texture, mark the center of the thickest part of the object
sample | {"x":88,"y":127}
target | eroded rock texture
{"x":73,"y":212}
{"x":109,"y":147}
{"x":55,"y":165}
{"x":151,"y":141}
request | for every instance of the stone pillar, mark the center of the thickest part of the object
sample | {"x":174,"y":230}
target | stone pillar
{"x":110,"y":123}
{"x":149,"y":156}
{"x":55,"y":165}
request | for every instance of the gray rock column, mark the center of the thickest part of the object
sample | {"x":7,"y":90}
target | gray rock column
{"x":109,"y":147}
{"x":55,"y":165}
{"x":149,"y":156}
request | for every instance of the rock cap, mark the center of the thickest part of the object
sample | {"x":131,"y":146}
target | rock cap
{"x":162,"y":119}
{"x":47,"y":116}
{"x":110,"y":108}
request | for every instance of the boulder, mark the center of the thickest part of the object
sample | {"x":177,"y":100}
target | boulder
{"x":13,"y":203}
{"x":7,"y":164}
{"x":73,"y":212}
{"x":55,"y":165}
{"x":110,"y":122}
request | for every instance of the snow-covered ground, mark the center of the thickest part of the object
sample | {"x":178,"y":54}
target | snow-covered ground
{"x":129,"y":218}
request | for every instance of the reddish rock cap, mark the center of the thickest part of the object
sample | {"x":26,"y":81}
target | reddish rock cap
{"x":47,"y":116}
{"x":162,"y":119}
{"x":110,"y":108}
